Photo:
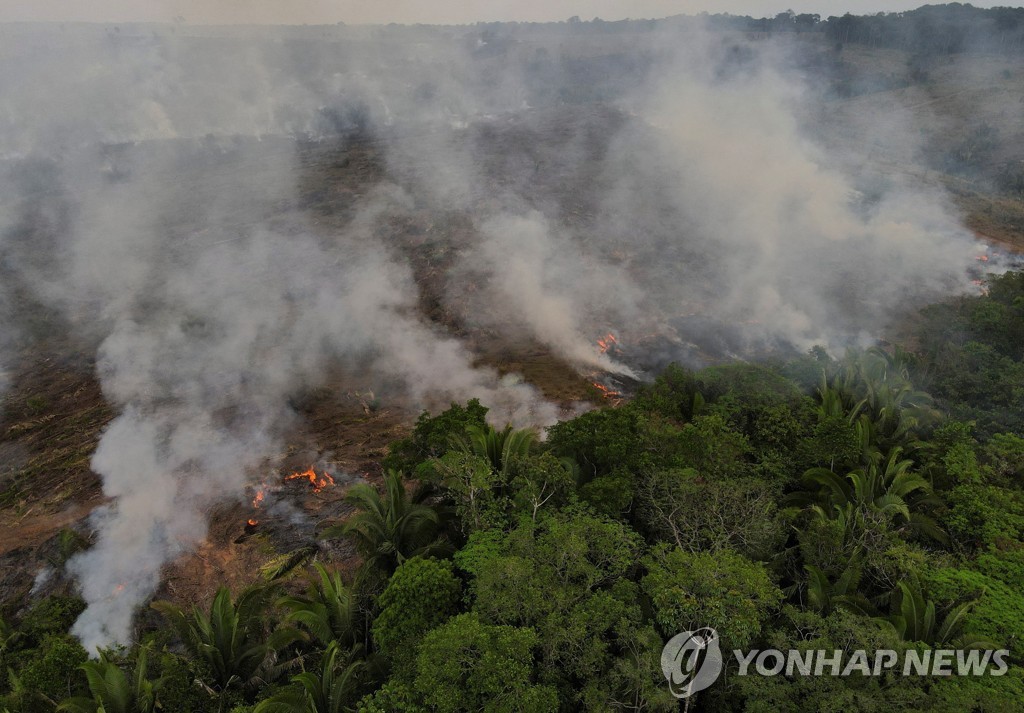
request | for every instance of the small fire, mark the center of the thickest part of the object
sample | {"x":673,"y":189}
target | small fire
{"x":982,"y":258}
{"x":605,"y":391}
{"x":607,"y":342}
{"x":257,"y":503}
{"x":317,"y":481}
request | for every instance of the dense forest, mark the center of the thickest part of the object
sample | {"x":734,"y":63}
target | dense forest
{"x":874,"y":501}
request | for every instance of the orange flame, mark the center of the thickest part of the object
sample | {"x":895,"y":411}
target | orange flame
{"x":607,"y":342}
{"x":605,"y":391}
{"x":318,"y":482}
{"x":982,"y":258}
{"x":257,"y":503}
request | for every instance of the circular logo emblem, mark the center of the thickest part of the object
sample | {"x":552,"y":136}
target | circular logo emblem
{"x":691,"y":661}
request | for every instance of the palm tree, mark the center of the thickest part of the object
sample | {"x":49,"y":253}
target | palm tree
{"x":499,"y":448}
{"x":825,"y":596}
{"x":111,"y":690}
{"x":888,"y":487}
{"x":332,"y":689}
{"x":328,"y":611}
{"x":232,"y":640}
{"x":391,"y":529}
{"x":880,"y":386}
{"x":837,"y":403}
{"x":917,"y":620}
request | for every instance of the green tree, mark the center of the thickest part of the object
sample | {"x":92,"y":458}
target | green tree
{"x":421,"y":594}
{"x":995,"y":578}
{"x":329,"y":610}
{"x":113,"y":691}
{"x":232,"y":639}
{"x":475,"y":487}
{"x":389,"y":528}
{"x":541,"y":482}
{"x":466,"y":665}
{"x":886,"y":486}
{"x":499,"y":448}
{"x":825,"y":596}
{"x":916,"y":619}
{"x":392,"y":697}
{"x":331,"y":689}
{"x":567,"y":577}
{"x":725,"y":591}
{"x":47,"y":674}
{"x":432,"y":436}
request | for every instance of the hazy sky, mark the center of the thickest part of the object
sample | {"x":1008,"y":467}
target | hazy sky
{"x":413,"y":11}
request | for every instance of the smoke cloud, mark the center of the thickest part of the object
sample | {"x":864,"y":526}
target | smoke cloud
{"x":158,"y":201}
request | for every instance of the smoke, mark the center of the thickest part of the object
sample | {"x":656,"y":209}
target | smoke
{"x":207,"y":339}
{"x":758,"y":223}
{"x":162,"y":204}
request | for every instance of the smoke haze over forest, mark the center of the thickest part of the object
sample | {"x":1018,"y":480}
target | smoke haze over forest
{"x":681,"y":186}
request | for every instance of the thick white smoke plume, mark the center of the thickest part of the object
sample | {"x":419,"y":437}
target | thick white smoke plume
{"x":759,"y":224}
{"x":157,"y":202}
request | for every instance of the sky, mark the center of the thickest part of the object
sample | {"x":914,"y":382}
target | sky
{"x":299,"y":12}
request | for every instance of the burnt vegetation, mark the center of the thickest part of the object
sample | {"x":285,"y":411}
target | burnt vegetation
{"x":872,"y":499}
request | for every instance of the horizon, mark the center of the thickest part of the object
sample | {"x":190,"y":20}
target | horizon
{"x":405,"y":12}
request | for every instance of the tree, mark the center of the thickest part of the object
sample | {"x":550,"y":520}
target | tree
{"x":566,"y":577}
{"x":328,"y":611}
{"x":389,"y":529}
{"x":700,"y":514}
{"x":884,"y":392}
{"x":393,"y":697}
{"x":432,"y":436}
{"x":725,"y":591}
{"x":467,"y":665}
{"x":47,"y":674}
{"x":113,"y":692}
{"x":475,"y":488}
{"x":887,"y":487}
{"x":539,"y":569}
{"x":916,"y":619}
{"x":541,"y":482}
{"x":421,"y":594}
{"x":824,"y":595}
{"x":499,"y":448}
{"x":331,"y":689}
{"x":232,"y":640}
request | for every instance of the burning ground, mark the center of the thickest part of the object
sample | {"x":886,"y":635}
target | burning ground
{"x":205,"y":297}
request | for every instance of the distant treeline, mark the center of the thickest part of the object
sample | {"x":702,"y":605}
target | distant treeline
{"x":931,"y":29}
